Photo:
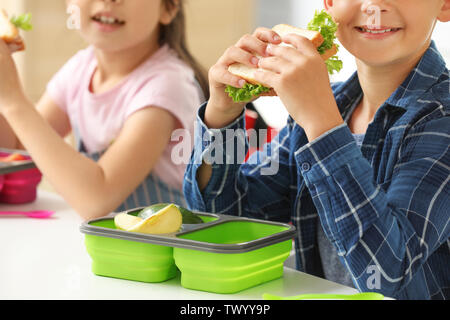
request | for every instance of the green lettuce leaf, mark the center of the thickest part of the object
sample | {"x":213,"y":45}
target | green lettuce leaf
{"x":323,"y":23}
{"x":245,"y":93}
{"x":22,"y":22}
{"x":334,"y":65}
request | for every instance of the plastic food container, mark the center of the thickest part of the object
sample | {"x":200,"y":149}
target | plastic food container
{"x":18,"y":180}
{"x":226,"y":254}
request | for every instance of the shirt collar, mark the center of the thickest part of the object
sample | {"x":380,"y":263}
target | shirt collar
{"x":427,"y":72}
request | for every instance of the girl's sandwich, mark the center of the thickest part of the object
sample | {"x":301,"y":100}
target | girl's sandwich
{"x":9,"y":30}
{"x":321,"y":32}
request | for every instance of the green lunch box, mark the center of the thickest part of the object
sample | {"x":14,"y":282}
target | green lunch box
{"x":225,"y":254}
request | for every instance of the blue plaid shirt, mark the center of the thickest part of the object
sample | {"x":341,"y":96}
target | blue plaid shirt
{"x":385,"y":206}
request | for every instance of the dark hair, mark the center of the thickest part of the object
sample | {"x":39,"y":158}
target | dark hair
{"x":174,"y":35}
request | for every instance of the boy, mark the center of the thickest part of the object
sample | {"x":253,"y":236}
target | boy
{"x":363,"y":166}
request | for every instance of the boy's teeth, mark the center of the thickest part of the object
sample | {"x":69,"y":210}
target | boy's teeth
{"x":377,"y":31}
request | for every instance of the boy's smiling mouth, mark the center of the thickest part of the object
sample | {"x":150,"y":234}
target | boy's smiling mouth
{"x":378,"y":32}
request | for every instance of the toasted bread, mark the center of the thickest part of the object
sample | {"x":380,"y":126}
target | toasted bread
{"x":248,"y":73}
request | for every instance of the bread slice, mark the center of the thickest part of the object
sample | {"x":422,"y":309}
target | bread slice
{"x":329,"y":53}
{"x":10,"y":34}
{"x":314,"y":36}
{"x":8,"y":31}
{"x":248,"y":73}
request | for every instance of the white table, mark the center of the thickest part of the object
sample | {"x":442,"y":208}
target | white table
{"x":46,"y":259}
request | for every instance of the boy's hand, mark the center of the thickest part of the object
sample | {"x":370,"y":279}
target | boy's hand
{"x":10,"y":87}
{"x":300,"y":78}
{"x":221,"y":110}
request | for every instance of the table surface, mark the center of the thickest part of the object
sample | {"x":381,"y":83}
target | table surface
{"x":47,"y":259}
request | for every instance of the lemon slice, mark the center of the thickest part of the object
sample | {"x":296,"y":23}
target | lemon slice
{"x":125,"y":221}
{"x":166,"y":220}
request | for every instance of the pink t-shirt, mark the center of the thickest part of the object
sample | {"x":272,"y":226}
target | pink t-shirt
{"x":162,"y":81}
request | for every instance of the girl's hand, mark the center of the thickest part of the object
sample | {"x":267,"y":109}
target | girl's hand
{"x":221,"y":110}
{"x":11,"y":91}
{"x":300,"y":78}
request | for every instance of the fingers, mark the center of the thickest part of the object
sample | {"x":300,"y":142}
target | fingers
{"x":284,"y":52}
{"x":261,"y":49}
{"x":247,"y":51}
{"x":221,"y":76}
{"x":252,"y":44}
{"x":285,"y":60}
{"x":267,"y":78}
{"x":232,"y":55}
{"x":281,"y":58}
{"x":274,"y":64}
{"x":267,"y":35}
{"x":238,"y":55}
{"x":300,"y":43}
{"x":295,"y":49}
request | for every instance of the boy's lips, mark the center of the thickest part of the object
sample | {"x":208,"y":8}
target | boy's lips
{"x":377,"y":32}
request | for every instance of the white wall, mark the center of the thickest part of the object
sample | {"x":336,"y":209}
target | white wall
{"x":270,"y":12}
{"x":441,"y":36}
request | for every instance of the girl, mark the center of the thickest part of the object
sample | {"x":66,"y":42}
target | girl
{"x":363,"y":166}
{"x":122,"y":97}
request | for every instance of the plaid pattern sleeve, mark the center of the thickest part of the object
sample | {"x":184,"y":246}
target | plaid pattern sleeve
{"x":233,"y":181}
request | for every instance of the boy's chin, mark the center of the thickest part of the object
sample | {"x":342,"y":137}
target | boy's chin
{"x":378,"y":58}
{"x":378,"y":62}
{"x":390,"y":57}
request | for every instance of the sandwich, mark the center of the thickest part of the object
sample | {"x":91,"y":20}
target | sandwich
{"x":9,"y":30}
{"x":321,"y":32}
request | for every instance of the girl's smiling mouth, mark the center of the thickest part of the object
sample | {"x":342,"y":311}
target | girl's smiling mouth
{"x":379,"y":32}
{"x":107,"y":22}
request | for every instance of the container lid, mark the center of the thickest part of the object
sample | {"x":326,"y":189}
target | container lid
{"x":9,"y":167}
{"x":175,"y":240}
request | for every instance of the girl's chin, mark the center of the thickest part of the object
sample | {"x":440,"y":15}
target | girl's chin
{"x":107,"y":47}
{"x":105,"y":44}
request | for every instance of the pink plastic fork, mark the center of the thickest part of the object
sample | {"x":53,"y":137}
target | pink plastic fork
{"x":37,"y":214}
